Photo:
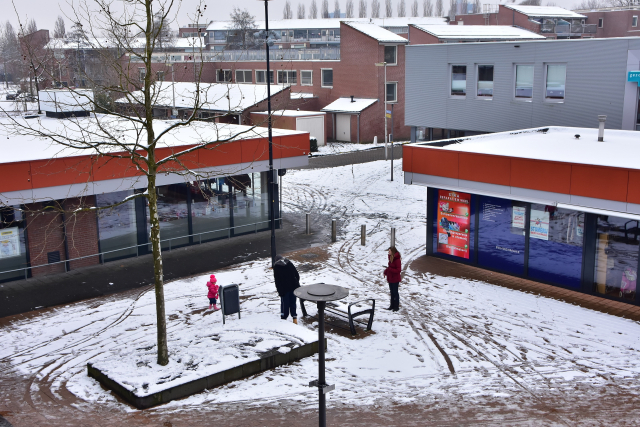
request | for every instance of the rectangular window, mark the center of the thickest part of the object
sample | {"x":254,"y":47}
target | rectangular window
{"x":391,"y":55}
{"x":223,"y":75}
{"x":600,"y":22}
{"x":117,"y":225}
{"x":306,"y":78}
{"x":392,"y":92}
{"x":142,"y":73}
{"x":634,"y":21}
{"x":556,"y":76}
{"x":287,"y":77}
{"x":243,"y":76}
{"x":261,"y":77}
{"x":327,"y":77}
{"x":485,"y":81}
{"x":458,"y":80}
{"x":524,"y":82}
{"x":160,"y":76}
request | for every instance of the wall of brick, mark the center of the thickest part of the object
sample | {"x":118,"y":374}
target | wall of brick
{"x":82,"y":232}
{"x":45,"y":233}
{"x":615,"y":23}
{"x":417,"y":36}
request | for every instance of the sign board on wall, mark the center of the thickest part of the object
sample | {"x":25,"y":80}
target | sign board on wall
{"x":539,"y":225}
{"x":633,"y":76}
{"x":453,"y":223}
{"x":9,"y":242}
{"x":518,"y":214}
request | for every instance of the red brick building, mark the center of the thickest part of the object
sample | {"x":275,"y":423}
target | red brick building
{"x":614,"y":22}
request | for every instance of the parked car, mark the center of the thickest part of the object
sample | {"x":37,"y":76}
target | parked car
{"x":26,"y":97}
{"x":11,"y":96}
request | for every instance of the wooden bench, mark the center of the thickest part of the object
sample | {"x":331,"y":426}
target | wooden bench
{"x":350,"y":311}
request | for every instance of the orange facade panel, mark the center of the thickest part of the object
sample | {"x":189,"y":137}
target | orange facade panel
{"x":407,"y":152}
{"x":15,"y":176}
{"x":189,"y":161}
{"x":599,"y":182}
{"x":63,"y":171}
{"x":430,"y":161}
{"x":105,"y":168}
{"x":255,"y":150}
{"x":541,"y":175}
{"x":485,"y":168}
{"x":633,"y":194}
{"x":227,"y":153}
{"x":291,"y":146}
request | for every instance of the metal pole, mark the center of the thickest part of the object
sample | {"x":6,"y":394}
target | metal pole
{"x":392,"y":152}
{"x":173,"y":85}
{"x":333,"y":231}
{"x":321,"y":378}
{"x":363,"y":234}
{"x":308,"y":223}
{"x":393,"y":236}
{"x":386,"y":138}
{"x":270,"y":177}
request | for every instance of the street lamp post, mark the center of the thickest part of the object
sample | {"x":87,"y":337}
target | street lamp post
{"x":173,"y":87}
{"x":271,"y":192}
{"x":386,"y":137}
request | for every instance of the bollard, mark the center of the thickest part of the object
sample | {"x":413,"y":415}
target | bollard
{"x":333,"y":231}
{"x":363,"y":234}
{"x":386,"y":152}
{"x":308,"y":223}
{"x":393,"y":236}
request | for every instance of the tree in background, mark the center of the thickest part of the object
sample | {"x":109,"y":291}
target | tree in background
{"x":477,"y":6}
{"x":622,"y":3}
{"x":325,"y":9}
{"x":531,"y":2}
{"x":402,"y":9}
{"x":362,"y":9}
{"x":287,"y":13}
{"x":301,"y":11}
{"x":244,"y":25}
{"x":414,"y":9}
{"x":439,"y":8}
{"x":58,"y":29}
{"x":10,"y":51}
{"x":590,"y":4}
{"x":349,"y":9}
{"x":452,"y":10}
{"x":427,"y":8}
{"x":388,"y":9}
{"x":375,"y":9}
{"x":464,"y":7}
{"x":336,"y":9}
{"x":31,"y":27}
{"x":313,"y":10}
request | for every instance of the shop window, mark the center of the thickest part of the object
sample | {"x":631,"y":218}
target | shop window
{"x":210,"y":210}
{"x":243,"y":76}
{"x":555,"y":82}
{"x":117,"y":226}
{"x":458,"y":80}
{"x":555,"y":245}
{"x":174,"y":215}
{"x":524,"y":82}
{"x":422,"y":133}
{"x":13,"y":251}
{"x":327,"y":77}
{"x":306,"y":78}
{"x":223,"y":75}
{"x":392,"y":92}
{"x":289,"y":77}
{"x":485,"y":81}
{"x":454,"y":225}
{"x":250,"y":202}
{"x":616,"y":266}
{"x":261,"y":76}
{"x":391,"y":55}
{"x":501,"y":234}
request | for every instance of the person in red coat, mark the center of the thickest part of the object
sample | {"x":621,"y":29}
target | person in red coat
{"x":392,"y":272}
{"x":213,"y":292}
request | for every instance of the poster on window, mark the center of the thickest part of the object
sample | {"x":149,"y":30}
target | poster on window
{"x":517,"y":217}
{"x":539,"y":225}
{"x":9,"y":242}
{"x":453,"y":223}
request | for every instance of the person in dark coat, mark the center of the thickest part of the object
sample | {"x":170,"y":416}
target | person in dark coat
{"x":287,"y":280}
{"x":392,"y":273}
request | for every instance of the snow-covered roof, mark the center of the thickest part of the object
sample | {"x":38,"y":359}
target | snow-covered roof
{"x":478,"y":32}
{"x":18,"y":143}
{"x":292,"y":113}
{"x":380,"y":34}
{"x":234,"y":98}
{"x":345,"y":105}
{"x":330,"y":23}
{"x":557,"y":144}
{"x":545,"y":11}
{"x":189,"y":42}
{"x":92,"y":43}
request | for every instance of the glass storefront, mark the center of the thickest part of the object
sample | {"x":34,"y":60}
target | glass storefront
{"x":616,"y":261}
{"x":250,"y":202}
{"x":13,"y":249}
{"x":454,"y":225}
{"x":173,"y":211}
{"x":210,"y":210}
{"x":117,"y":226}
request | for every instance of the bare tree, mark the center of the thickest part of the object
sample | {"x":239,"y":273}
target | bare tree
{"x":439,"y":8}
{"x":477,"y":6}
{"x":287,"y":13}
{"x":324,"y":13}
{"x":313,"y":10}
{"x":531,"y":2}
{"x":414,"y":8}
{"x":362,"y":9}
{"x":622,"y":3}
{"x":31,"y":27}
{"x":336,"y":9}
{"x":402,"y":9}
{"x":427,"y":8}
{"x":591,"y":4}
{"x":452,"y":10}
{"x":58,"y":30}
{"x":375,"y":8}
{"x":10,"y":54}
{"x":464,"y":7}
{"x":388,"y":9}
{"x":301,"y":11}
{"x":349,"y":9}
{"x":244,"y":25}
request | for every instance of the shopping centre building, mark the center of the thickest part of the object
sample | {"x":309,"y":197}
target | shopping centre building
{"x":557,"y":205}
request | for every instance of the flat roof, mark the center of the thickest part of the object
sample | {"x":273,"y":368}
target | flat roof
{"x":291,"y":113}
{"x":476,"y":32}
{"x":331,"y":23}
{"x":545,"y":11}
{"x":345,"y":105}
{"x":620,"y":149}
{"x":378,"y":33}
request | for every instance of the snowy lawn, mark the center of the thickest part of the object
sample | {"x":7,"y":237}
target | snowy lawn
{"x":451,"y":337}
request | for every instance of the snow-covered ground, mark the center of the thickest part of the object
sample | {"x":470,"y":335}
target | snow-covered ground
{"x":331,"y":148}
{"x":452,"y":337}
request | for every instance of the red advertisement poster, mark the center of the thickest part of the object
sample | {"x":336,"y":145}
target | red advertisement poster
{"x":453,"y":223}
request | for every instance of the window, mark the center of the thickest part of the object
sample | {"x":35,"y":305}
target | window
{"x":458,"y":80}
{"x":390,"y":55}
{"x":392,"y":92}
{"x":243,"y":76}
{"x":485,"y":81}
{"x":288,"y":77}
{"x":160,"y":76}
{"x":634,"y":21}
{"x":600,"y":22}
{"x":556,"y":76}
{"x":142,"y":73}
{"x":261,"y":77}
{"x":327,"y":77}
{"x":306,"y":78}
{"x":524,"y":82}
{"x":223,"y":75}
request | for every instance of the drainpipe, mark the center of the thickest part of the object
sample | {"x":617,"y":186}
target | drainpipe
{"x":601,"y":120}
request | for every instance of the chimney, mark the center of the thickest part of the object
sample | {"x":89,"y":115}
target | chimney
{"x":601,"y":119}
{"x":352,"y":100}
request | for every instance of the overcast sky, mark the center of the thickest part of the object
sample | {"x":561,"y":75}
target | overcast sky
{"x":45,"y":12}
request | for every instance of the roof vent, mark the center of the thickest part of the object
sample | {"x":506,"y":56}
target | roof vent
{"x":601,"y":120}
{"x":353,"y":100}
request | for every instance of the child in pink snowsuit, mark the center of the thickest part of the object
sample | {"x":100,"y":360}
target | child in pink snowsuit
{"x":213,"y":292}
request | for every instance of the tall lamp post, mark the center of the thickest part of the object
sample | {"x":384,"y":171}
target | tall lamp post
{"x":271,"y":192}
{"x":386,"y":113}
